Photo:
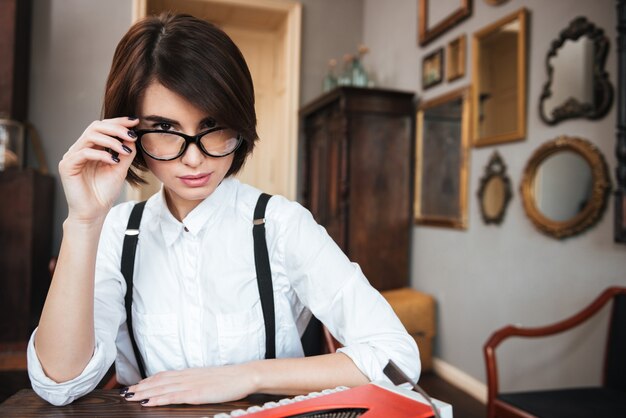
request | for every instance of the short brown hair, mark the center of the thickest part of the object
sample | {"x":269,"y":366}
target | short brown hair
{"x":194,"y":59}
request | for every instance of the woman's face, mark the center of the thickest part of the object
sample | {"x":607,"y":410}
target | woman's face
{"x":193,"y":176}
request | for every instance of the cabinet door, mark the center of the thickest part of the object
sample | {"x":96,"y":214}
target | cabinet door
{"x":380,"y":194}
{"x":327,"y":173}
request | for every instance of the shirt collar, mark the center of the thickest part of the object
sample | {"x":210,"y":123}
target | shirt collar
{"x":198,"y":218}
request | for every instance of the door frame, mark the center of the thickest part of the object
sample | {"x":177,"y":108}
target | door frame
{"x":292,"y":10}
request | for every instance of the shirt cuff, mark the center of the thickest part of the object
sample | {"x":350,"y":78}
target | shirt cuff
{"x":59,"y":394}
{"x":371,"y":361}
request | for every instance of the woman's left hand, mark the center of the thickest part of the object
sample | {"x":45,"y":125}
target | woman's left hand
{"x":192,"y":386}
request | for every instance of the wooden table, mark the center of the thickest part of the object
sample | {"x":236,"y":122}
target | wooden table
{"x":108,"y":403}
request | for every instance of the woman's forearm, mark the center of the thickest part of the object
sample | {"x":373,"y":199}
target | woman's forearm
{"x":303,"y":375}
{"x":65,"y":337}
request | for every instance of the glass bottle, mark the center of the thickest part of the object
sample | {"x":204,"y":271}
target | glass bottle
{"x":330,"y":79}
{"x":345,"y":78}
{"x":359,"y":75}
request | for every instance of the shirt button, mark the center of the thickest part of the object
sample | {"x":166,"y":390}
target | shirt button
{"x":186,"y":230}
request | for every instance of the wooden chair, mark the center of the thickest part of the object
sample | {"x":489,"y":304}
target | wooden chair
{"x":608,"y":400}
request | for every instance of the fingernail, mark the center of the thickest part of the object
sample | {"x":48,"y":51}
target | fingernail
{"x":132,"y":134}
{"x":125,"y":148}
{"x":114,"y":158}
{"x":145,"y":401}
{"x":132,"y":118}
{"x":129,"y":395}
{"x":123,"y":391}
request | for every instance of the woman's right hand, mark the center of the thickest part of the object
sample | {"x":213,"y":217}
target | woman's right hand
{"x":92,"y":177}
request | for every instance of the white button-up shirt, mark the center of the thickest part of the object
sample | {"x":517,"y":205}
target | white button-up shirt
{"x":196,"y":300}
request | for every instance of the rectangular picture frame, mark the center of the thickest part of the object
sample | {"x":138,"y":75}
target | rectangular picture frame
{"x":456,"y":58}
{"x":442,"y":160}
{"x":432,"y":69}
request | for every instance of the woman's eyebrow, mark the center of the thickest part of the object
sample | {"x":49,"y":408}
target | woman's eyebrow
{"x":160,"y":119}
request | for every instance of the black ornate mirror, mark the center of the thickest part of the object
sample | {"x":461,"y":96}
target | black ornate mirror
{"x":494,"y":192}
{"x":578,"y":85}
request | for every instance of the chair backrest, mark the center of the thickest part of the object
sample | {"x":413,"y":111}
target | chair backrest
{"x":615,"y":368}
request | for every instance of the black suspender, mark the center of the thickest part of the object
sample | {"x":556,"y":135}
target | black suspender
{"x":264,"y":275}
{"x":261,"y":261}
{"x":128,"y":266}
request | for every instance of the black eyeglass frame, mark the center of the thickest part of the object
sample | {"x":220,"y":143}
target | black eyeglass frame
{"x":189,"y":139}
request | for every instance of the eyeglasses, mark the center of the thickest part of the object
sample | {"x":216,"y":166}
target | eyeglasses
{"x":168,"y":145}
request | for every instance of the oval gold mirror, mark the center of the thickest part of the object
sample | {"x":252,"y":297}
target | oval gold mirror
{"x":494,"y":193}
{"x":565,"y":186}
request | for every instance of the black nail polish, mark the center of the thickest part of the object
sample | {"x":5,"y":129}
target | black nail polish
{"x":132,"y":134}
{"x":115,"y":158}
{"x":125,"y":148}
{"x":132,"y":118}
{"x":123,"y":391}
{"x":145,"y":401}
{"x":129,"y":395}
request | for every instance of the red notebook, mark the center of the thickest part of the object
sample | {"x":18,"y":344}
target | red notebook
{"x":367,"y":401}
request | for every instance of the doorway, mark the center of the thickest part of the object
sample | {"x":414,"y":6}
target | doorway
{"x":268,"y":34}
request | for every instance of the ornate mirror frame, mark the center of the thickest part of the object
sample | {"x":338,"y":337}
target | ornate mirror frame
{"x":603,"y":89}
{"x":594,"y":208}
{"x":495,"y":168}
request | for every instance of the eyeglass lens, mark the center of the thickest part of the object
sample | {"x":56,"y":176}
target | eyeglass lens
{"x":167,"y":145}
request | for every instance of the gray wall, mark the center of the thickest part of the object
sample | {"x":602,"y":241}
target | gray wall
{"x":330,"y":29}
{"x":72,"y":46}
{"x":489,"y":276}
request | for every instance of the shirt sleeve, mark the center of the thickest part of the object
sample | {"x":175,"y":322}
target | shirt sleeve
{"x":340,"y":296}
{"x":109,"y":314}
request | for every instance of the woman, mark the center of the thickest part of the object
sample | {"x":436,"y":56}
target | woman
{"x":179,"y":102}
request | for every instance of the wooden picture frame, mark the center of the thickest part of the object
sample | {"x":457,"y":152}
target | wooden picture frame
{"x":432,"y":69}
{"x":499,"y":72}
{"x":441,"y":160}
{"x":455,"y":58}
{"x":452,"y":17}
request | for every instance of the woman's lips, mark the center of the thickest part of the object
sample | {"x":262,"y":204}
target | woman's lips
{"x":196,"y":180}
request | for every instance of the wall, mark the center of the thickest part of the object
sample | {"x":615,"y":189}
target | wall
{"x":72,"y":47}
{"x":330,"y":29}
{"x":73,"y":43}
{"x":489,"y":276}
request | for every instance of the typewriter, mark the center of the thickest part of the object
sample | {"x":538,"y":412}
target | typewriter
{"x":373,"y":400}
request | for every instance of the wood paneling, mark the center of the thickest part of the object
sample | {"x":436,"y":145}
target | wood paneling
{"x":25,"y":239}
{"x":14,"y":58}
{"x":357,"y":177}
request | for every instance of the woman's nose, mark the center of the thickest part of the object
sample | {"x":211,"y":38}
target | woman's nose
{"x":192,"y":156}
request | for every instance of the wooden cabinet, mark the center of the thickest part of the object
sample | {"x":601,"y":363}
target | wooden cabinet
{"x":358,"y":176}
{"x":26,"y":202}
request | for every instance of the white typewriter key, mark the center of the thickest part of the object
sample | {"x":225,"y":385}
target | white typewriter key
{"x":254,"y":408}
{"x":286,"y":401}
{"x":222,"y":415}
{"x":300,"y":398}
{"x":314,"y":394}
{"x":271,"y":404}
{"x":238,"y":413}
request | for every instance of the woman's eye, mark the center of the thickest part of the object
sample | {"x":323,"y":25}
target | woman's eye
{"x":164,"y":126}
